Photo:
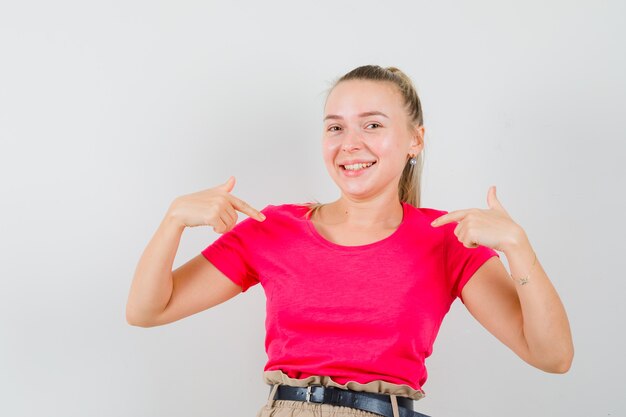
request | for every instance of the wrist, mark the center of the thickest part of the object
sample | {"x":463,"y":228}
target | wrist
{"x":171,"y":221}
{"x":519,"y":240}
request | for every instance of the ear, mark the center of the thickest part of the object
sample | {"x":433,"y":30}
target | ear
{"x":417,"y":142}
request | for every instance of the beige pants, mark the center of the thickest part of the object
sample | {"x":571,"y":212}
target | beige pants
{"x":288,"y":408}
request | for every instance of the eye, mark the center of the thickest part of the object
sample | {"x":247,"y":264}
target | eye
{"x":374,"y":124}
{"x":331,"y":128}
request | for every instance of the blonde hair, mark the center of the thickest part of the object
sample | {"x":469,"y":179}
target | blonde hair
{"x":409,"y":187}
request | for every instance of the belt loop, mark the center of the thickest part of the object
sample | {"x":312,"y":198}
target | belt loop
{"x":394,"y":405}
{"x":270,"y":400}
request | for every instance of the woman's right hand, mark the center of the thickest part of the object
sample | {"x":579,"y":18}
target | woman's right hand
{"x":213,"y":207}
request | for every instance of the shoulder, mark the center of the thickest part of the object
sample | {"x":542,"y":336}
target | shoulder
{"x":421,"y":218}
{"x":425,"y":213}
{"x":285,"y":213}
{"x":285,"y":209}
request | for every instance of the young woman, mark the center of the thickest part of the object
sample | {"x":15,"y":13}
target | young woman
{"x":357,"y":288}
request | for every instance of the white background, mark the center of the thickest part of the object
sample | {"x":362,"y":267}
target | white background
{"x":110,"y":110}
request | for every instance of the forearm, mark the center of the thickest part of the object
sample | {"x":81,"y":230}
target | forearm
{"x":545,"y":324}
{"x":152,"y":284}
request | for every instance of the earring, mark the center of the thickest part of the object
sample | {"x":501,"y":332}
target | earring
{"x":413,"y":161}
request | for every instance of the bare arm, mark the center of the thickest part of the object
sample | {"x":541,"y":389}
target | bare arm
{"x":158,"y":295}
{"x":530,"y":319}
{"x":152,"y":284}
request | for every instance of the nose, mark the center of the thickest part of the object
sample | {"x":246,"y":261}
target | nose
{"x":350,"y":142}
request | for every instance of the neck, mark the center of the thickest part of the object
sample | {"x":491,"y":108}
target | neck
{"x":364,"y":214}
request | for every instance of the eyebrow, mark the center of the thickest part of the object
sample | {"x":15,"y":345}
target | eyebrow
{"x":364,"y":114}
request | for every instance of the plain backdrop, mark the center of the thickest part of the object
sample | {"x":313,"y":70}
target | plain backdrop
{"x":110,"y":110}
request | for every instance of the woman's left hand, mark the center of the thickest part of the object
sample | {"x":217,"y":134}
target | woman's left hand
{"x":492,"y":227}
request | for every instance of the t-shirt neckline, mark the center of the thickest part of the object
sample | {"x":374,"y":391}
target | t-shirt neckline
{"x":337,"y":246}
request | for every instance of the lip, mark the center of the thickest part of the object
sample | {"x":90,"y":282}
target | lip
{"x":357,"y":173}
{"x":356,"y":161}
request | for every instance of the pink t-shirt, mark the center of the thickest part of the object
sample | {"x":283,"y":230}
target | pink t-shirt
{"x":354,"y":313}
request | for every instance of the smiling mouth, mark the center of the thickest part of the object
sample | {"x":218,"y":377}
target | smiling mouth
{"x":357,"y":167}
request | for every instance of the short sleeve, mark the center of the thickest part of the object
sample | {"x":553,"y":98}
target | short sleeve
{"x":462,"y":262}
{"x":232,"y":253}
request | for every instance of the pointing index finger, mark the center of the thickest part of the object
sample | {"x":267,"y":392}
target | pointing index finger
{"x":452,"y":216}
{"x":246,"y":208}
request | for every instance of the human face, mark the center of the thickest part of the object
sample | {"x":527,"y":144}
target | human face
{"x":366,"y":121}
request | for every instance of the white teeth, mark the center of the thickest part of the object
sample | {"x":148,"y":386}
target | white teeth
{"x":355,"y":167}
